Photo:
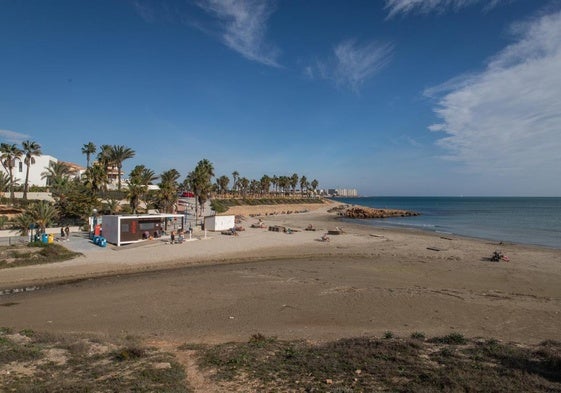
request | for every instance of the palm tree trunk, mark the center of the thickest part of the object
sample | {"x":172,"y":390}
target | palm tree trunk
{"x":26,"y":185}
{"x":119,"y":177}
{"x":12,"y":196}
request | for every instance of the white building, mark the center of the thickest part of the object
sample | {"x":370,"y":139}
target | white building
{"x":219,"y":223}
{"x":35,"y":170}
{"x":40,"y":166}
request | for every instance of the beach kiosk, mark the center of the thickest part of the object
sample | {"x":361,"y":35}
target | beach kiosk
{"x":132,"y":228}
{"x":219,"y":223}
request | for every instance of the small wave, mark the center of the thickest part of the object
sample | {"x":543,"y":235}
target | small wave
{"x":402,"y":224}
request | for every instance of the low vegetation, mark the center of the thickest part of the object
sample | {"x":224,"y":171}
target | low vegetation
{"x":33,"y":362}
{"x":35,"y":253}
{"x":222,"y":205}
{"x":444,"y":364}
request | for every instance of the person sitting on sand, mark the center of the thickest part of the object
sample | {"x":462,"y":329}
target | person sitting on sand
{"x":324,"y":238}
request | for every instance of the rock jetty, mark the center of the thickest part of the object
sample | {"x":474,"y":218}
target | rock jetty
{"x":366,"y":212}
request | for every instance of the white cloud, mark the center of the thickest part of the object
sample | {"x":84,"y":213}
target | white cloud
{"x":243,"y":24}
{"x":12,"y":136}
{"x":395,"y":7}
{"x":507,"y":119}
{"x":352,"y":64}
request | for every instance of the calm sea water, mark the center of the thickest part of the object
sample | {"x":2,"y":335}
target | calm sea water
{"x":521,"y":220}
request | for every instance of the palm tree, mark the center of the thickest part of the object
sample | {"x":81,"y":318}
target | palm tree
{"x":96,"y":177}
{"x":314,"y":185}
{"x":112,"y":205}
{"x":200,"y":180}
{"x":168,"y":189}
{"x":265,"y":183}
{"x":304,"y":184}
{"x":235,"y":176}
{"x":8,"y":156}
{"x":104,"y":154}
{"x":139,"y":180}
{"x":222,"y":183}
{"x":55,"y":172}
{"x":22,"y":222}
{"x":43,"y":214}
{"x":88,"y":149}
{"x":30,"y":149}
{"x":275,"y":183}
{"x":4,"y":183}
{"x":104,"y":160}
{"x":284,"y":183}
{"x":243,"y":185}
{"x":118,"y":154}
{"x":293,"y":182}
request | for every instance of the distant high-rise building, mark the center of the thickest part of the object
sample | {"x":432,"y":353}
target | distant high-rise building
{"x":342,"y":192}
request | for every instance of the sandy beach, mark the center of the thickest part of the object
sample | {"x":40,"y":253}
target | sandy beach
{"x":363,"y":282}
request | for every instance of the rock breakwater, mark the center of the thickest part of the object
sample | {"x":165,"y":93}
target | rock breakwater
{"x":367,"y":212}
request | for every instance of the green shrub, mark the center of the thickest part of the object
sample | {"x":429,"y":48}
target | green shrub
{"x":418,"y":336}
{"x":451,"y":339}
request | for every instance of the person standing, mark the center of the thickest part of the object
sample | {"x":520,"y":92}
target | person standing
{"x":67,"y":231}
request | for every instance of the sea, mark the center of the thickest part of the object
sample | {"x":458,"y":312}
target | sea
{"x":525,"y":220}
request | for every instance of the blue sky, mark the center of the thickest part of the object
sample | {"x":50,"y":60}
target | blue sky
{"x":392,"y":97}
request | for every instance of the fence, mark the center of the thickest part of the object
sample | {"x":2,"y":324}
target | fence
{"x":11,"y":240}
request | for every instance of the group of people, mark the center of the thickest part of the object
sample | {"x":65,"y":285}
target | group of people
{"x":65,"y":233}
{"x":180,"y":237}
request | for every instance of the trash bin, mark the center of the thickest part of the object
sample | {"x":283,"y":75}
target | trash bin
{"x":102,"y":242}
{"x":51,"y":238}
{"x":96,"y":240}
{"x":44,"y":238}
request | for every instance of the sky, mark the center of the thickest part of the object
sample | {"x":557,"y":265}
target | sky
{"x":391,"y":97}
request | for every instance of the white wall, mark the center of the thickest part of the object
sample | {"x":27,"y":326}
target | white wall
{"x":219,"y":223}
{"x":35,"y":196}
{"x":110,"y":229}
{"x":35,"y":170}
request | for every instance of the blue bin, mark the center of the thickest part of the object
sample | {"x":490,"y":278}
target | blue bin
{"x":102,"y":242}
{"x":96,"y":240}
{"x":44,"y":238}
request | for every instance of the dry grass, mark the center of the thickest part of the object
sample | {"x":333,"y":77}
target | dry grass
{"x":443,"y":364}
{"x":32,"y":362}
{"x":33,"y":254}
{"x":39,"y":362}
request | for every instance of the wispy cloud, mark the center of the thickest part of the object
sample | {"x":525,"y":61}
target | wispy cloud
{"x":145,"y":9}
{"x":153,"y":11}
{"x":12,"y":136}
{"x":396,"y":7}
{"x":507,"y":118}
{"x":351,"y":63}
{"x":242,"y":25}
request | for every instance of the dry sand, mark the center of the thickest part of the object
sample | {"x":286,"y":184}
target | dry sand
{"x":363,"y":282}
